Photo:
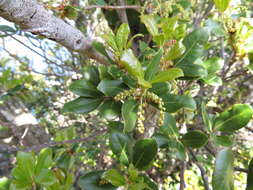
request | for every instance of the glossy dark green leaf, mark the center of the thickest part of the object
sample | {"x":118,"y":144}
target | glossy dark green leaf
{"x":194,"y":139}
{"x":175,"y":51}
{"x":234,"y":118}
{"x":44,"y":160}
{"x":161,"y":88}
{"x":114,"y":177}
{"x":45,"y":177}
{"x":161,"y":140}
{"x":173,"y":102}
{"x":104,"y":73}
{"x":129,"y":114}
{"x":144,"y":152}
{"x":110,"y":109}
{"x":223,"y":140}
{"x":250,"y":176}
{"x":82,"y":105}
{"x":151,"y":184}
{"x":192,"y":71}
{"x":170,"y":74}
{"x":93,"y":181}
{"x":223,"y":172}
{"x":122,"y":36}
{"x":222,"y":5}
{"x":111,"y":87}
{"x":151,"y":24}
{"x":84,"y":88}
{"x":119,"y":142}
{"x":153,"y":66}
{"x":91,"y":74}
{"x":194,"y":44}
{"x":169,"y":127}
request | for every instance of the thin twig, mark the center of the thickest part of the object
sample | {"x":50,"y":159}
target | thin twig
{"x":122,"y":12}
{"x":202,"y":170}
{"x":182,"y":180}
{"x":112,"y":7}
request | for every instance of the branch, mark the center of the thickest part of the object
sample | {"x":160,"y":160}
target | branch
{"x":122,"y":12}
{"x":113,"y":7}
{"x":182,"y":180}
{"x":32,"y":17}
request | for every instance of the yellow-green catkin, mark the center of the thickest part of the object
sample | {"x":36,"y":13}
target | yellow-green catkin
{"x":141,"y":118}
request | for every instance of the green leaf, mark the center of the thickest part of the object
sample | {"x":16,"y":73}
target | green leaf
{"x":222,"y":5}
{"x":122,"y":36}
{"x":93,"y":181}
{"x":114,"y":177}
{"x":111,"y":87}
{"x":213,"y":65}
{"x":151,"y":184}
{"x":168,"y":75}
{"x":250,"y":176}
{"x":175,"y":51}
{"x":223,"y":140}
{"x":223,"y":172}
{"x":91,"y":74}
{"x":44,"y":160}
{"x":129,"y":114}
{"x":84,"y":88}
{"x":82,"y":105}
{"x":192,"y":71}
{"x":154,"y":65}
{"x":212,"y":79}
{"x":144,"y":152}
{"x":22,"y":179}
{"x":150,"y":23}
{"x":161,"y":140}
{"x":119,"y":142}
{"x":234,"y":118}
{"x":45,"y":177}
{"x":160,"y":88}
{"x":99,"y":47}
{"x":194,"y":139}
{"x":215,"y":27}
{"x":6,"y":28}
{"x":110,"y":109}
{"x":206,"y":119}
{"x":173,"y":102}
{"x":133,"y":67}
{"x":169,"y":127}
{"x":194,"y":44}
{"x":110,"y":39}
{"x":26,"y":163}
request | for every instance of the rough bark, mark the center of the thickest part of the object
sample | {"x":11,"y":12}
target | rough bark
{"x":31,"y":16}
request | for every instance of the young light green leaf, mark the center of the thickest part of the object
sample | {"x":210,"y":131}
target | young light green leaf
{"x":122,"y":36}
{"x":168,"y":75}
{"x":84,"y":88}
{"x":234,"y":118}
{"x":129,"y":114}
{"x":26,"y":162}
{"x":223,"y":172}
{"x":250,"y":176}
{"x":194,"y":139}
{"x":114,"y":177}
{"x":82,"y":105}
{"x":110,"y":39}
{"x":175,"y":51}
{"x":45,"y":177}
{"x":206,"y":119}
{"x":150,"y":23}
{"x":144,"y":152}
{"x":44,"y":160}
{"x":222,"y":5}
